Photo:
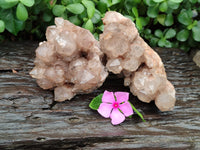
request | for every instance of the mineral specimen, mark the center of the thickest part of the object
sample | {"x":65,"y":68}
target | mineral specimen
{"x":69,"y":61}
{"x":128,"y":54}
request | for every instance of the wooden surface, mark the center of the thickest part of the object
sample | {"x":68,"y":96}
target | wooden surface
{"x":29,"y":119}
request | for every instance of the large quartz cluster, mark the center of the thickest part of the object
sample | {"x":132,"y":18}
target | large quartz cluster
{"x":69,"y":61}
{"x":128,"y":54}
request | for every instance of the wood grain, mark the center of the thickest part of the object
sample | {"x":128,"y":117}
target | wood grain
{"x":29,"y":119}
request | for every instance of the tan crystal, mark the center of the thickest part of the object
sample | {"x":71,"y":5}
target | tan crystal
{"x":63,"y":92}
{"x":69,"y":61}
{"x":128,"y":54}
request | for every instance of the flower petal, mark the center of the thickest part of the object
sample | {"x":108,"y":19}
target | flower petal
{"x":122,"y":96}
{"x":126,"y":109}
{"x":116,"y":117}
{"x":108,"y":97}
{"x":105,"y":109}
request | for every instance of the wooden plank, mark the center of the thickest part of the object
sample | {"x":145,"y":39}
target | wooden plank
{"x":30,"y":119}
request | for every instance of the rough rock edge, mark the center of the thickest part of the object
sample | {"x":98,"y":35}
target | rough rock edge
{"x":119,"y":41}
{"x":69,"y":61}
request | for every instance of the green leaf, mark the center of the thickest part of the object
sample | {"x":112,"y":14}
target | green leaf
{"x":58,"y":10}
{"x":89,"y":25}
{"x":169,"y":20}
{"x":147,"y":31}
{"x":101,"y":27}
{"x":129,"y":17}
{"x":90,"y":8}
{"x":183,"y":35}
{"x":50,"y":4}
{"x":66,"y":2}
{"x":97,"y":17}
{"x":149,"y":2}
{"x":76,"y":1}
{"x":161,"y":42}
{"x":173,"y":5}
{"x":152,"y":11}
{"x":193,"y":1}
{"x":95,"y":103}
{"x":176,"y":1}
{"x":102,"y":7}
{"x":64,"y":16}
{"x":154,"y":41}
{"x":76,"y":8}
{"x":184,"y":17}
{"x":96,"y":36}
{"x":12,"y":24}
{"x":2,"y":26}
{"x":108,"y":2}
{"x":144,"y":21}
{"x":138,"y":24}
{"x":137,"y":112}
{"x":28,"y":3}
{"x":18,"y":25}
{"x":21,"y":12}
{"x":161,"y":19}
{"x":168,"y":44}
{"x":115,"y":2}
{"x":158,"y":1}
{"x":36,"y":10}
{"x":5,"y":4}
{"x":83,"y":15}
{"x":170,"y":33}
{"x":189,"y":27}
{"x":137,"y":1}
{"x":75,"y":20}
{"x":47,"y":16}
{"x":39,"y":1}
{"x":135,"y":12}
{"x":158,"y":33}
{"x":163,"y":7}
{"x":196,"y":32}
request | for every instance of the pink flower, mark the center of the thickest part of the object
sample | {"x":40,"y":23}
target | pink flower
{"x":115,"y":106}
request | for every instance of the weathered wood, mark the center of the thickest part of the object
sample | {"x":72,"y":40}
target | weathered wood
{"x":30,"y":119}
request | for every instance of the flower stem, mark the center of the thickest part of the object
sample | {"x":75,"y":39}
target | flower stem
{"x":138,"y":113}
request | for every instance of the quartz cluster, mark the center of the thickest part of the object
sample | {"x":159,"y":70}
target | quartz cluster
{"x":128,"y":54}
{"x":69,"y":61}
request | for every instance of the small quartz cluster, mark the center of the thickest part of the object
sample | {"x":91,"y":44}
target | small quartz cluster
{"x":128,"y":54}
{"x":69,"y":61}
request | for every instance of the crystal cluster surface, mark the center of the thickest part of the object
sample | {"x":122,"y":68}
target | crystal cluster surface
{"x":128,"y":54}
{"x":69,"y":61}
